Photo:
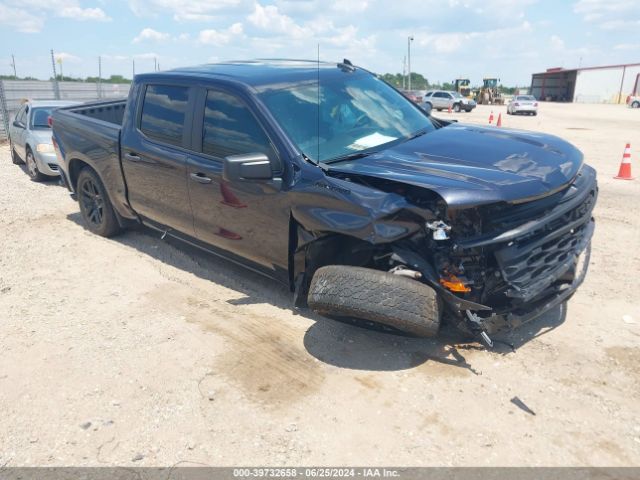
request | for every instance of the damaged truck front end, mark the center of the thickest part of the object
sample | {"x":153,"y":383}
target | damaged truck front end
{"x":493,"y":266}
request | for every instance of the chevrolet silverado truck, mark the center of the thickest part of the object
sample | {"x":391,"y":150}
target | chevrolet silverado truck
{"x":324,"y":177}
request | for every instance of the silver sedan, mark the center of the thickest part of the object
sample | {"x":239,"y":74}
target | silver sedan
{"x":30,"y":138}
{"x":523,"y":104}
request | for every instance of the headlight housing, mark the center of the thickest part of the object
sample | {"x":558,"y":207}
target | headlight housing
{"x":44,"y":148}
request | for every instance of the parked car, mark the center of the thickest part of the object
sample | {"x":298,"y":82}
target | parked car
{"x":352,"y":196}
{"x":413,"y":96}
{"x":443,"y":100}
{"x":633,"y":101}
{"x":30,"y":138}
{"x":523,"y":104}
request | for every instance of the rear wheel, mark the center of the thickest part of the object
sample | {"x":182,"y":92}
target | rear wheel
{"x":456,"y":107}
{"x":95,"y":206}
{"x":635,"y":104}
{"x":32,"y":167}
{"x":381,"y":297}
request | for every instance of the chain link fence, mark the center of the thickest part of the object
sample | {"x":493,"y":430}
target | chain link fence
{"x":14,"y":92}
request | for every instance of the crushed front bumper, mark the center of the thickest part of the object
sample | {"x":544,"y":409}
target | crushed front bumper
{"x":541,"y":262}
{"x":551,"y":298}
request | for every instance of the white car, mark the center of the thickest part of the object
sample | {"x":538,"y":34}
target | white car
{"x":30,"y":138}
{"x":442,"y":100}
{"x":523,"y":104}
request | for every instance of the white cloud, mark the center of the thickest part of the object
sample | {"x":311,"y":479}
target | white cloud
{"x":185,"y":10}
{"x":608,"y":14}
{"x":556,"y":42}
{"x":20,"y":19}
{"x":29,"y":15}
{"x":627,"y":46}
{"x":77,"y":13}
{"x":269,"y":19}
{"x":220,"y":37}
{"x":451,"y":42}
{"x":149,"y":34}
{"x":350,"y":6}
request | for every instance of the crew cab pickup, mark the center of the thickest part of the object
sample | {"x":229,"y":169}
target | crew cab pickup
{"x":324,"y":177}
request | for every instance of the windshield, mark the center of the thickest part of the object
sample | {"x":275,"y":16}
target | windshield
{"x":456,"y":94}
{"x":40,"y":117}
{"x":526,"y":98}
{"x":358,"y":113}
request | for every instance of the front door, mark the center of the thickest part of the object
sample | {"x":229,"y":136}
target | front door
{"x":250,"y":220}
{"x":154,"y":156}
{"x":19,"y":134}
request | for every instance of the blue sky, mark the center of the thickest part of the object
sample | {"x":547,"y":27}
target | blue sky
{"x":472,"y":38}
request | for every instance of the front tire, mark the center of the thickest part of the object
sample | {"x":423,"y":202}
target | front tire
{"x":456,"y":108}
{"x":95,"y":206}
{"x":635,"y":105}
{"x":381,"y":297}
{"x":32,"y":167}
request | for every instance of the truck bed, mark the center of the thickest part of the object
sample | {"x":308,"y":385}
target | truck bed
{"x":89,"y":134}
{"x":111,"y":111}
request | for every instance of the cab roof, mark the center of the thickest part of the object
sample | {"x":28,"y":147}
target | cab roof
{"x":256,"y":73}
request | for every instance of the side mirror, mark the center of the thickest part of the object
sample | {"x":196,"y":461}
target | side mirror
{"x":247,"y":167}
{"x":18,"y":124}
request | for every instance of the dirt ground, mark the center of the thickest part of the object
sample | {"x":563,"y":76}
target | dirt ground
{"x":134,"y":351}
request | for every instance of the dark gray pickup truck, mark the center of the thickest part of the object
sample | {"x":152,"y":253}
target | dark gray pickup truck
{"x":322,"y":176}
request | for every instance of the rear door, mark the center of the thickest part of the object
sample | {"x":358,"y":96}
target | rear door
{"x":154,"y":155}
{"x":249,"y":220}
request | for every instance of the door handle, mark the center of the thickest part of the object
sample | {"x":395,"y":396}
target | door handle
{"x":132,"y":157}
{"x":200,"y":178}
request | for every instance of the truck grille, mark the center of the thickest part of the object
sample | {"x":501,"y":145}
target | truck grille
{"x":531,"y":264}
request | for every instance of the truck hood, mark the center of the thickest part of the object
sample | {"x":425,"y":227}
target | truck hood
{"x":470,"y":165}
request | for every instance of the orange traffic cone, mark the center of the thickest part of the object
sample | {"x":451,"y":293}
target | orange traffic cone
{"x":449,"y":110}
{"x":625,"y":166}
{"x":499,"y":123}
{"x":491,"y":118}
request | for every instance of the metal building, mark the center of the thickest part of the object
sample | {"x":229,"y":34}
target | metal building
{"x":606,"y":84}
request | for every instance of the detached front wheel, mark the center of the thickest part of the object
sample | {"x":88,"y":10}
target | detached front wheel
{"x":95,"y":206}
{"x":381,"y":297}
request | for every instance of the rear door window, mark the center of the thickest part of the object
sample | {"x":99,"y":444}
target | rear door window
{"x":163,"y":113}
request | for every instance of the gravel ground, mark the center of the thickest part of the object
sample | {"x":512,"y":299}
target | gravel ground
{"x":135,"y":351}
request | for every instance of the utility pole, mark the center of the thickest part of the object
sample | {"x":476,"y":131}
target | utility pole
{"x":404,"y":72}
{"x":409,"y":40}
{"x":56,"y":87}
{"x":99,"y":77}
{"x":155,"y":64}
{"x":13,"y":64}
{"x":134,"y":68}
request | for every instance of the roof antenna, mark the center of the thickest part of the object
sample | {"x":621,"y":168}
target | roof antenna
{"x":318,"y":136}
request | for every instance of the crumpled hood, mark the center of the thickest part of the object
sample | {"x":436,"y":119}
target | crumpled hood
{"x":471,"y":165}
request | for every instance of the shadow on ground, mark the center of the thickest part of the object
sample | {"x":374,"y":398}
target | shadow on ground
{"x":342,"y":343}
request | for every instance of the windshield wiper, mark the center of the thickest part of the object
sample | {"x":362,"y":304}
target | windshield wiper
{"x":419,"y":133}
{"x":352,"y":156}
